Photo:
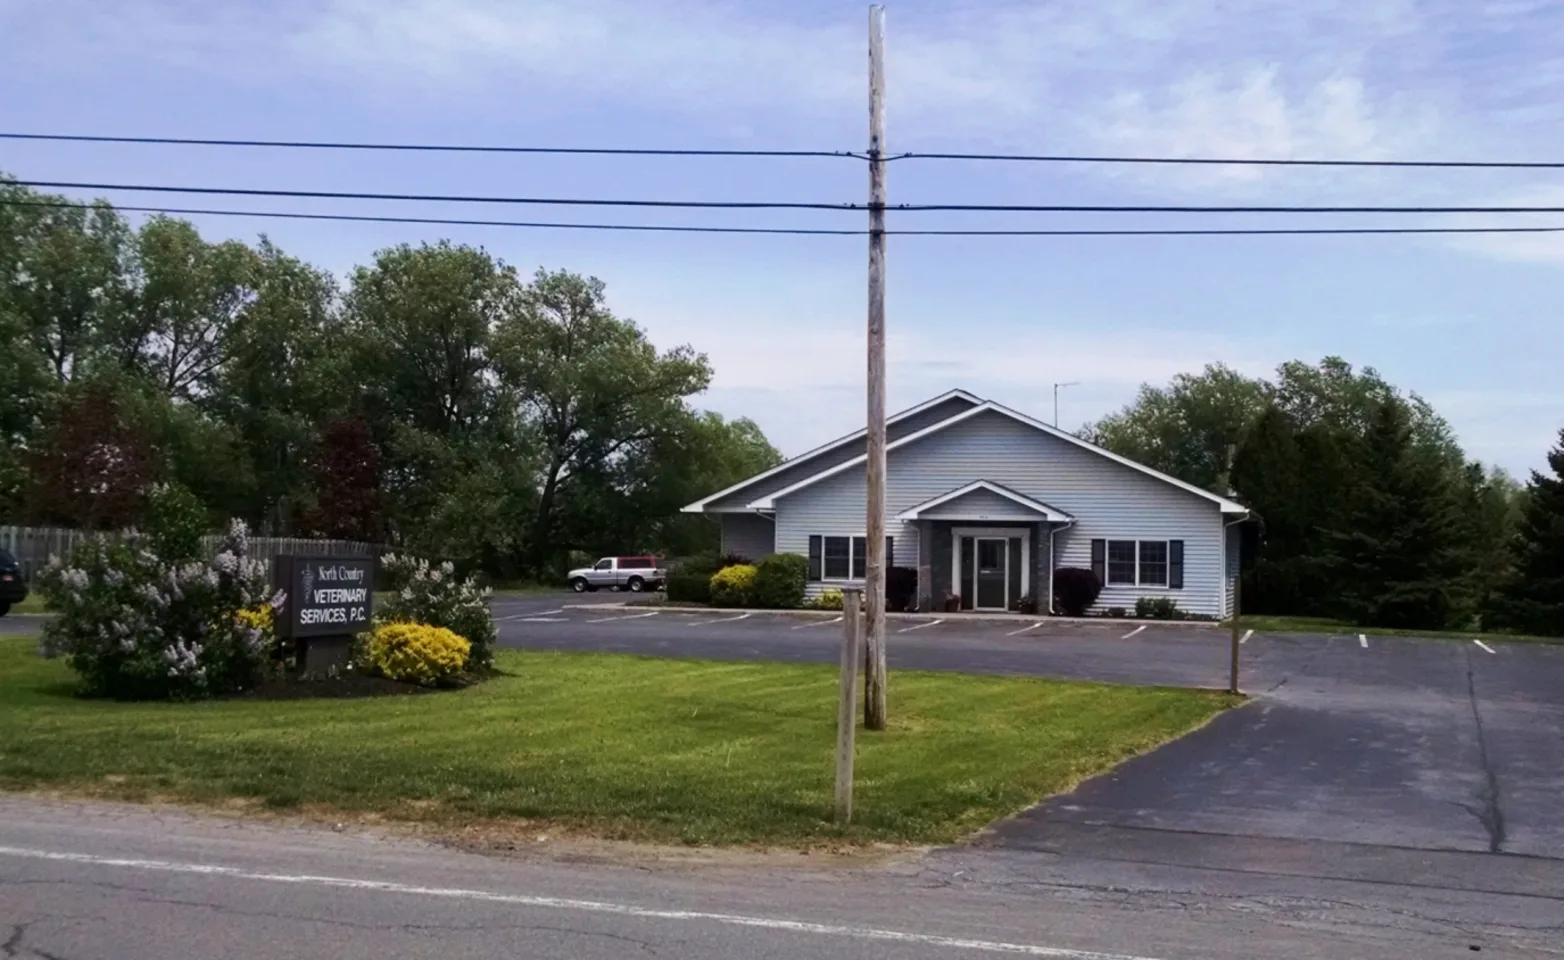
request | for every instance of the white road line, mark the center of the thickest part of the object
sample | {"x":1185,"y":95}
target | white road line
{"x":702,"y":623}
{"x":543,"y":620}
{"x":1133,"y":632}
{"x":819,"y":623}
{"x":931,"y":623}
{"x":636,"y":616}
{"x":1485,"y":646}
{"x":1246,"y":636}
{"x":1363,"y":641}
{"x":1026,"y":629}
{"x":578,"y":906}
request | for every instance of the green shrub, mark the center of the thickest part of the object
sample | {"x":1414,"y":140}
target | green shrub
{"x":436,"y":596}
{"x":138,"y":627}
{"x":416,"y":652}
{"x":689,"y":580}
{"x":780,"y":580}
{"x":176,"y":521}
{"x":733,"y":586}
{"x":1157,"y":608}
{"x":827,"y":600}
{"x":1075,"y":590}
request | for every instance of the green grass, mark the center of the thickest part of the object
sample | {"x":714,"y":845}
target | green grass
{"x":1326,"y":625}
{"x":33,"y":604}
{"x":616,"y":746}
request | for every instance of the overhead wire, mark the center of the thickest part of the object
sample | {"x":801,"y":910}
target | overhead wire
{"x":803,"y":231}
{"x":840,"y":154}
{"x":794,"y":205}
{"x":431,"y":147}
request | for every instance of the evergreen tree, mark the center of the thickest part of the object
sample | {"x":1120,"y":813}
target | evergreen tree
{"x":1397,"y":556}
{"x":1532,"y":599}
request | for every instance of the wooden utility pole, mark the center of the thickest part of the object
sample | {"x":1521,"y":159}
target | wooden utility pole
{"x":847,"y":702}
{"x":874,"y":527}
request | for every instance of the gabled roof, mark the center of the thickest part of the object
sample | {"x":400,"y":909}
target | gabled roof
{"x":1036,"y":506}
{"x":768,"y":502}
{"x":699,"y":506}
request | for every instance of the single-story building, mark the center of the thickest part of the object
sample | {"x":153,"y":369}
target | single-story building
{"x":986,"y":503}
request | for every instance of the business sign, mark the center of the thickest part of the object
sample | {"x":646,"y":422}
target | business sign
{"x":325,"y":595}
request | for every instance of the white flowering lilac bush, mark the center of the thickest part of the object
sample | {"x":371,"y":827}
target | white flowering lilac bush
{"x":133,"y":626}
{"x":435,"y":595}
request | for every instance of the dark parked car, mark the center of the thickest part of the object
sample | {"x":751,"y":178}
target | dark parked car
{"x":13,"y":586}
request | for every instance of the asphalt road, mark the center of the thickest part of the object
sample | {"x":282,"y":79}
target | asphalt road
{"x":80,"y":882}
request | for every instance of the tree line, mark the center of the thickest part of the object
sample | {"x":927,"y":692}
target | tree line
{"x":436,"y":400}
{"x":1369,"y":510}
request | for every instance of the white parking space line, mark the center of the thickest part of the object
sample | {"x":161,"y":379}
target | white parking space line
{"x":819,"y":623}
{"x":636,"y":616}
{"x":1363,"y":641}
{"x":1133,"y":632}
{"x":931,"y":623}
{"x":1026,"y":629}
{"x":702,"y":623}
{"x":1485,"y":646}
{"x":1246,"y":636}
{"x":540,"y":619}
{"x":529,"y":614}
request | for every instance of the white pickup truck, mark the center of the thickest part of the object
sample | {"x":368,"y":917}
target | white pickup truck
{"x":619,"y":573}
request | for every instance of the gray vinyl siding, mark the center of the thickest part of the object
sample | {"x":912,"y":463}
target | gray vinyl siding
{"x":748,"y":535}
{"x":805,"y":467}
{"x":1108,"y":500}
{"x":981,"y":503}
{"x":1234,"y":555}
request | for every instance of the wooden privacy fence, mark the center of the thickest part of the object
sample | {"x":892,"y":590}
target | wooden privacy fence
{"x":32,"y":546}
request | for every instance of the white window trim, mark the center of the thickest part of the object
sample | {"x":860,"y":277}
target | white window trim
{"x":851,"y":537}
{"x":1025,"y":534}
{"x":1167,"y":563}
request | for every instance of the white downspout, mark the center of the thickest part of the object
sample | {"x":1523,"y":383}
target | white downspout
{"x":1221,"y":599}
{"x":1053,"y":562}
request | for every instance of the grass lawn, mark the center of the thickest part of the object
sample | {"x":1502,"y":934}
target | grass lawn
{"x":616,"y":746}
{"x":33,"y":604}
{"x":1326,"y":625}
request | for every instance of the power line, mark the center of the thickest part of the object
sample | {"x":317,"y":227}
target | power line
{"x":1236,"y":161}
{"x":776,"y":205}
{"x":431,"y":147}
{"x":447,"y":221}
{"x":437,"y":198}
{"x":838,"y":154}
{"x":547,"y":225}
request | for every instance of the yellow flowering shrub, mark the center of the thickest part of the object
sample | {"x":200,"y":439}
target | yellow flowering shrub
{"x":416,"y":652}
{"x":733,"y":586}
{"x":260,"y":618}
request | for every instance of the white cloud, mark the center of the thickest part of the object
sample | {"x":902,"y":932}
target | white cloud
{"x":1518,"y":247}
{"x":804,"y":382}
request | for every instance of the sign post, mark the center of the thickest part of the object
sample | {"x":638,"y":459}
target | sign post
{"x":327,"y":601}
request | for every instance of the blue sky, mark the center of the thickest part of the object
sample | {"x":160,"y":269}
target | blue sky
{"x":1469,"y":323}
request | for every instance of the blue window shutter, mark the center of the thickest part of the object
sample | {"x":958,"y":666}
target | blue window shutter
{"x":1100,"y":560}
{"x":1176,"y":564}
{"x":814,"y":558}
